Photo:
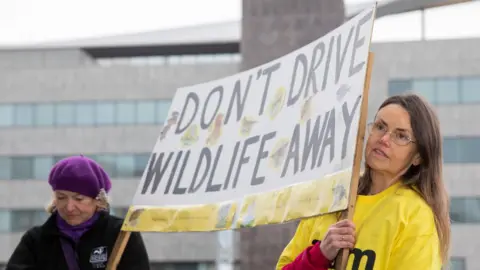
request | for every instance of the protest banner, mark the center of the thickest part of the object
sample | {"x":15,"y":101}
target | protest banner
{"x":272,"y":144}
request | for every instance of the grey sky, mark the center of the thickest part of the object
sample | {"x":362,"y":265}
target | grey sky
{"x":28,"y":21}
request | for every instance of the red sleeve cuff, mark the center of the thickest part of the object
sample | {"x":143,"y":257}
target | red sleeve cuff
{"x":316,"y":257}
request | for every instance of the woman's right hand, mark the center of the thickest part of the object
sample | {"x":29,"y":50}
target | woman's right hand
{"x":339,"y":236}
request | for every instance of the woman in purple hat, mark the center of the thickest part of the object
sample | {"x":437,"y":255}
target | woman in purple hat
{"x":80,"y":233}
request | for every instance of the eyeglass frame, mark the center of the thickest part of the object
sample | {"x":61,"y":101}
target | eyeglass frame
{"x":391,"y":134}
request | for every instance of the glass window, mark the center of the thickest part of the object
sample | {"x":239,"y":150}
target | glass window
{"x":94,"y":157}
{"x":58,"y":158}
{"x":5,"y":168}
{"x":468,"y":151}
{"x":184,"y":266}
{"x":470,"y":90}
{"x":205,"y":58}
{"x":64,"y":114}
{"x":397,"y":87}
{"x":21,"y":220}
{"x":223,"y":58}
{"x":125,"y":166}
{"x":105,"y":113}
{"x":237,"y":58}
{"x":139,"y":60}
{"x":41,"y":167}
{"x":425,"y":88}
{"x":85,"y":114}
{"x":23,"y":115}
{"x":104,"y":62}
{"x":174,"y":60}
{"x":109,"y":164}
{"x":174,"y":266}
{"x":457,"y":210}
{"x":141,"y":162}
{"x":39,"y":217}
{"x":157,"y":60}
{"x":465,"y":210}
{"x":451,"y":150}
{"x":146,"y":112}
{"x":187,"y":59}
{"x":125,"y":112}
{"x":6,"y":115}
{"x":44,"y":115}
{"x":210,"y":266}
{"x":461,"y":149}
{"x":120,"y":211}
{"x":457,"y":263}
{"x":22,"y":168}
{"x":163,"y":106}
{"x":5,"y":221}
{"x":472,"y":210}
{"x":448,"y":91}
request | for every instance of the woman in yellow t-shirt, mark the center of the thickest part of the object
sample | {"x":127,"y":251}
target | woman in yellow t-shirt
{"x":401,"y":218}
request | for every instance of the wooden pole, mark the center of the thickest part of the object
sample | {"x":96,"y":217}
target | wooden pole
{"x":342,"y":258}
{"x":118,"y":249}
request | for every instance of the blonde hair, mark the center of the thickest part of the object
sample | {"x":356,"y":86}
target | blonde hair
{"x":103,"y":203}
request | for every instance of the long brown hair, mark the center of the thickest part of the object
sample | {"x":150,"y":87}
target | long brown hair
{"x":426,"y":177}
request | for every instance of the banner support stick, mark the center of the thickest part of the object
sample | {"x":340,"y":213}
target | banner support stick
{"x":118,"y":249}
{"x":342,"y":258}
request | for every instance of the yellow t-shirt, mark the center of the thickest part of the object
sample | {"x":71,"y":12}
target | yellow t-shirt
{"x":395,"y":231}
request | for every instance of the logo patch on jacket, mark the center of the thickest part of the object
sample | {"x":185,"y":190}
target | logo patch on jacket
{"x":99,"y":257}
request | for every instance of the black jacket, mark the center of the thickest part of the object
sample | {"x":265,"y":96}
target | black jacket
{"x":40,"y":248}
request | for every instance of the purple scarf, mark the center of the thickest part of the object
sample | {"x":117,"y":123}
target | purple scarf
{"x":75,"y":232}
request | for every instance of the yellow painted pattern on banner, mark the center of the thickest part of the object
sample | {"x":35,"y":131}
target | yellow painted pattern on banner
{"x":317,"y":197}
{"x":209,"y":217}
{"x":313,"y":198}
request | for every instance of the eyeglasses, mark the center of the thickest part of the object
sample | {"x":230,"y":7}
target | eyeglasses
{"x":397,"y":136}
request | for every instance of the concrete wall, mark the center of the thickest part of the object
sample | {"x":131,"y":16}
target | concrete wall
{"x":271,"y":29}
{"x":105,"y":83}
{"x":43,"y":59}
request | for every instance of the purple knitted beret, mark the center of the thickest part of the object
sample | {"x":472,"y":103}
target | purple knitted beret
{"x":79,"y":174}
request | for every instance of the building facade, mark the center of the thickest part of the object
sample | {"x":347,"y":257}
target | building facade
{"x":447,"y":74}
{"x":63,"y":101}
